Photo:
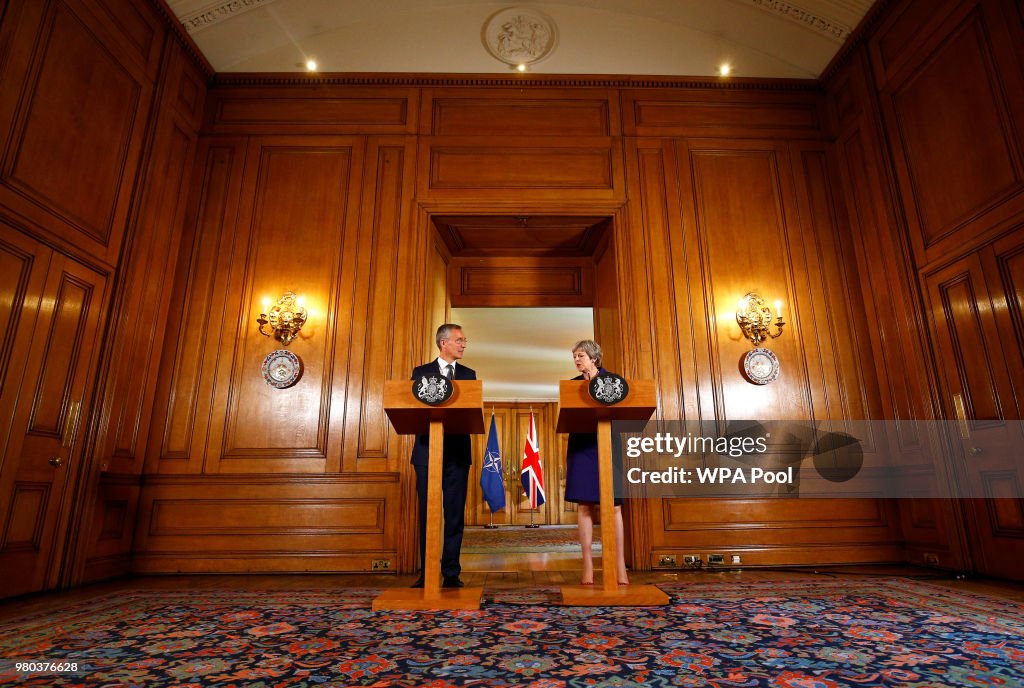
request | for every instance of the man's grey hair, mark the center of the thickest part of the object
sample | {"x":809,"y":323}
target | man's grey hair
{"x":590,"y":348}
{"x":445,"y":332}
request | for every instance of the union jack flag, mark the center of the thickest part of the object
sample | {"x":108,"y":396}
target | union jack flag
{"x":532,"y":474}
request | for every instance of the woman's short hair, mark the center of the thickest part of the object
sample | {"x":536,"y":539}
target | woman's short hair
{"x":590,"y":348}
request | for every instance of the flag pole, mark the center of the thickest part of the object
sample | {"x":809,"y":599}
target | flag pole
{"x":533,"y":489}
{"x":490,"y":514}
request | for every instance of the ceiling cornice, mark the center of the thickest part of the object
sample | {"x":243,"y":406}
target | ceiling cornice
{"x":823,"y":25}
{"x":856,"y":39}
{"x":219,"y":12}
{"x":193,"y":51}
{"x":524,"y":80}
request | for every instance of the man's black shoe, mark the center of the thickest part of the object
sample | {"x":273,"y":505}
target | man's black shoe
{"x":418,"y":583}
{"x":452,"y":582}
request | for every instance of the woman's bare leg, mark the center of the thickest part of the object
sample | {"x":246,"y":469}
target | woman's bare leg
{"x":620,"y":547}
{"x":585,"y":530}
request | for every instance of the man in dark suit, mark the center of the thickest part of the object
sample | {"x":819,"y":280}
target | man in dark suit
{"x":458,"y":454}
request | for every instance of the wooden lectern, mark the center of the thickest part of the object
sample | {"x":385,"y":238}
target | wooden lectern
{"x":578,"y":412}
{"x":463,"y":414}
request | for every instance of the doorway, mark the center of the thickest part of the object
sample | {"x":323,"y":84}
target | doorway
{"x":521,"y":354}
{"x":525,"y":288}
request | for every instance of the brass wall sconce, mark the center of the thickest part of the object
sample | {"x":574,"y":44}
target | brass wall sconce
{"x":755,"y":318}
{"x":285,"y":319}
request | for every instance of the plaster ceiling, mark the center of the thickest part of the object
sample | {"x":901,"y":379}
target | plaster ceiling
{"x":759,"y":38}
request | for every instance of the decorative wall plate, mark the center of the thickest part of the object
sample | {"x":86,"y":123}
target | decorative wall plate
{"x":432,"y":389}
{"x":281,"y":368}
{"x":608,"y":388}
{"x":761,"y":366}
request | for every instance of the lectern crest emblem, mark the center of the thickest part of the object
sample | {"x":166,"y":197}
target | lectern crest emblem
{"x":432,"y":390}
{"x":608,"y":388}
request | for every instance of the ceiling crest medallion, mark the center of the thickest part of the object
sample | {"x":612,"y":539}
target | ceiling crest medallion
{"x":519,"y":36}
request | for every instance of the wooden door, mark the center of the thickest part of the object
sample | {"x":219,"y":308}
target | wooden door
{"x":975,"y":306}
{"x":55,"y":345}
{"x":512,"y":421}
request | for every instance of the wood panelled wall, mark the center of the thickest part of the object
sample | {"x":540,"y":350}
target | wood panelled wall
{"x":875,"y":203}
{"x":329,"y":191}
{"x":100,"y":108}
{"x":928,"y":108}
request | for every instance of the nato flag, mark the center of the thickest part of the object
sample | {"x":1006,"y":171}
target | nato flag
{"x":491,"y":482}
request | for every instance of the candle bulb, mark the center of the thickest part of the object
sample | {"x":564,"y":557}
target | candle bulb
{"x":778,"y":309}
{"x":266,"y":305}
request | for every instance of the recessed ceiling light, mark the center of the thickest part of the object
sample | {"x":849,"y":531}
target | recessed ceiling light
{"x":311,"y":65}
{"x":725,"y":69}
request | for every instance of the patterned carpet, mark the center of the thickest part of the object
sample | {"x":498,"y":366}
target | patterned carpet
{"x":799,"y":633}
{"x":520,"y":539}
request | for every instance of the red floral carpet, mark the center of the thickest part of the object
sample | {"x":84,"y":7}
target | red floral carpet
{"x":805,"y":633}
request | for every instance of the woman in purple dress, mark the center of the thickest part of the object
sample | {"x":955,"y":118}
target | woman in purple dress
{"x":581,"y":474}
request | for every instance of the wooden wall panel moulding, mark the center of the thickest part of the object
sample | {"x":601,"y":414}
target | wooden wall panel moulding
{"x":846,"y":99}
{"x":183,"y":39}
{"x":884,"y":263}
{"x":827,"y":292}
{"x":745,"y":216}
{"x":219,"y":516}
{"x":566,"y":111}
{"x":767,"y":514}
{"x":114,"y":523}
{"x":99,"y":569}
{"x":25,"y":521}
{"x":922,"y":513}
{"x":506,"y":166}
{"x":514,"y":171}
{"x":264,"y":516}
{"x":317,"y":110}
{"x":72,"y":176}
{"x":185,"y":85}
{"x":377,"y":322}
{"x":520,"y":282}
{"x":299,"y":207}
{"x":288,"y":561}
{"x":144,"y":300}
{"x":513,"y":115}
{"x":736,"y":115}
{"x":656,"y":250}
{"x":133,"y":30}
{"x":185,"y":386}
{"x":961,"y":174}
{"x":908,"y":29}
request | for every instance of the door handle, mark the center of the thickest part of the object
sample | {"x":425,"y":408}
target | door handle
{"x":56,"y":462}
